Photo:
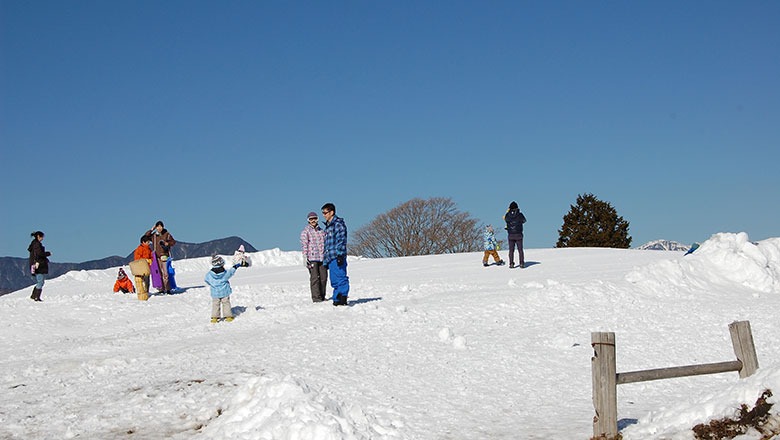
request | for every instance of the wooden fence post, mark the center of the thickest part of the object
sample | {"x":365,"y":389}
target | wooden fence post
{"x":604,"y":370}
{"x":742,"y":340}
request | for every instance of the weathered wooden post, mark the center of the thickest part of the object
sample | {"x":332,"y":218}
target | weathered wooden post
{"x":742,"y":340}
{"x":604,"y":369}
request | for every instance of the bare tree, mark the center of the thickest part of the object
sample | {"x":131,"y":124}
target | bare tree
{"x":418,"y":227}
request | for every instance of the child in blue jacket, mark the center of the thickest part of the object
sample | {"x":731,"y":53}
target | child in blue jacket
{"x":491,"y":247}
{"x":217,"y":278}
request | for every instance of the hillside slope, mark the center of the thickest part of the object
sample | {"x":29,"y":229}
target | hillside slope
{"x":431,"y":347}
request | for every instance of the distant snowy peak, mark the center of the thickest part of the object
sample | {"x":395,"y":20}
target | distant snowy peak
{"x":664,"y":245}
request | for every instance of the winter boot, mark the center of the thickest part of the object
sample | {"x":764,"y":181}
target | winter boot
{"x":340,"y":300}
{"x":485,"y":263}
{"x":500,"y":262}
{"x":229,"y":319}
{"x":511,"y":265}
{"x":214,"y":320}
{"x":36,"y":295}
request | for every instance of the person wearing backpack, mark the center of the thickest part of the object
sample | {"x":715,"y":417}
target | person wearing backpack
{"x":514,"y":227}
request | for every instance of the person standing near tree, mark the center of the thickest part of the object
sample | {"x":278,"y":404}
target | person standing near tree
{"x":335,"y":258}
{"x":514,"y":227}
{"x":313,"y":245}
{"x":39,"y":263}
{"x":162,"y":241}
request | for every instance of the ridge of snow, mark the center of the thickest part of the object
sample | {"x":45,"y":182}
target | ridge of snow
{"x":273,"y":407}
{"x":724,"y":259}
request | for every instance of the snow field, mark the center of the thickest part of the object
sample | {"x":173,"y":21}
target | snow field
{"x":432,"y":347}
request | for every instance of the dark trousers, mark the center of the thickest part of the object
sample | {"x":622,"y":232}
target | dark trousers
{"x":318,"y":278}
{"x":516,"y":241}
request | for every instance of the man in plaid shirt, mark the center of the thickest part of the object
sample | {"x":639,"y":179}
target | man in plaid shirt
{"x":313,"y":243}
{"x":336,"y":254}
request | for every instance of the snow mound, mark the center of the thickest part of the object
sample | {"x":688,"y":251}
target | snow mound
{"x":268,"y":258}
{"x":724,"y":259}
{"x":287,"y":408}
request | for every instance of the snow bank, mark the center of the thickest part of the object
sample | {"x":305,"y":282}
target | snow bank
{"x":676,"y":422}
{"x":268,"y":258}
{"x":287,"y":408}
{"x":724,"y":259}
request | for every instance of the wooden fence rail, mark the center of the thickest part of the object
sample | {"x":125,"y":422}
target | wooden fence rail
{"x":606,"y":379}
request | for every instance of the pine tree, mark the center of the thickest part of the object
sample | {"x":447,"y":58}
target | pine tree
{"x":593,"y":223}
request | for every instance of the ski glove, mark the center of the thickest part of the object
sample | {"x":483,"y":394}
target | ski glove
{"x":340,"y":260}
{"x":236,"y":266}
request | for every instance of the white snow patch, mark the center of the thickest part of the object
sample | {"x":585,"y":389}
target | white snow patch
{"x":431,"y":347}
{"x":724,"y":259}
{"x":288,"y":408}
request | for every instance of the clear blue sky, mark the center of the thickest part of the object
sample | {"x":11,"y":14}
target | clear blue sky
{"x":239,"y":117}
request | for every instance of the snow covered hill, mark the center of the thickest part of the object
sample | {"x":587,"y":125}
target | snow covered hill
{"x":663,"y":245}
{"x":431,"y":347}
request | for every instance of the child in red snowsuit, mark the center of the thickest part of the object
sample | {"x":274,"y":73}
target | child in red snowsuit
{"x":123,"y":283}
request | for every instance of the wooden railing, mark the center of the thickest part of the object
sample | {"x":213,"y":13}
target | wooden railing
{"x":606,"y":378}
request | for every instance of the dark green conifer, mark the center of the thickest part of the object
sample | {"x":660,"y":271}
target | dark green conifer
{"x":593,"y":223}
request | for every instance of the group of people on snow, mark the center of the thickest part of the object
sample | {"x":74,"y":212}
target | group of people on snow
{"x":514,"y":227}
{"x":324,"y":255}
{"x":153,"y":254}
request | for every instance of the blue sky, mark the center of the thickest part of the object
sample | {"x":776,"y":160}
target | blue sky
{"x":238,"y":118}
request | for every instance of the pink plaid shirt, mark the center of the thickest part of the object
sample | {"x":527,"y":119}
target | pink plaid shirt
{"x":313,"y":243}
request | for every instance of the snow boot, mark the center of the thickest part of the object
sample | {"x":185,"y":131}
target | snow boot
{"x":229,"y":319}
{"x":484,"y":263}
{"x":214,"y":320}
{"x":340,"y":300}
{"x":511,"y":265}
{"x":500,"y":263}
{"x":36,"y":294}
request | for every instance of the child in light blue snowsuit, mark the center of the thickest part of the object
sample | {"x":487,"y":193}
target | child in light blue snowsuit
{"x":217,"y":278}
{"x":491,"y":247}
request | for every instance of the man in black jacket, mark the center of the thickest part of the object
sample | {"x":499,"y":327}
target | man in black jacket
{"x":514,"y":227}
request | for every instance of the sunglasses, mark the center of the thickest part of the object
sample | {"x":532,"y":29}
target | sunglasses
{"x":313,"y":219}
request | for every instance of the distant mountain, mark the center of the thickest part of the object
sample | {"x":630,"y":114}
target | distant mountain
{"x":15,"y":272}
{"x":222,"y":246}
{"x":664,"y":245}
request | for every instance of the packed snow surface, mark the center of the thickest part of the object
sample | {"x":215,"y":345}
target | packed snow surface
{"x":432,"y":347}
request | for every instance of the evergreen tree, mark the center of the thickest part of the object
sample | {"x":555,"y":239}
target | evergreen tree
{"x":593,"y":223}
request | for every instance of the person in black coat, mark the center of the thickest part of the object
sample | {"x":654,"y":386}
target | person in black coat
{"x":514,"y":227}
{"x":39,"y":263}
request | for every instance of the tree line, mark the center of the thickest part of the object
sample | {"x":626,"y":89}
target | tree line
{"x":437,"y":226}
